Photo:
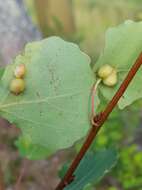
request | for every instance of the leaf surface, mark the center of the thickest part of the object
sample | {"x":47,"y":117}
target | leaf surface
{"x":53,"y":110}
{"x":92,"y":168}
{"x":122,"y":47}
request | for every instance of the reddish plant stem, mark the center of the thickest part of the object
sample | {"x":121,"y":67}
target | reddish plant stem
{"x":97,"y":123}
{"x":94,"y":91}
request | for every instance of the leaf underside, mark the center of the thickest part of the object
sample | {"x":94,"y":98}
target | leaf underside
{"x":53,"y":110}
{"x":122,"y":47}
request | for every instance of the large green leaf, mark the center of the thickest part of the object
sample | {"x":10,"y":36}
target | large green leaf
{"x":53,"y":110}
{"x":92,"y":168}
{"x":123,"y":46}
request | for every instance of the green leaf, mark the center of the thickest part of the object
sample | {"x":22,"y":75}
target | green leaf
{"x":123,"y":46}
{"x":53,"y":110}
{"x":32,"y":152}
{"x":92,"y":168}
{"x":89,"y":186}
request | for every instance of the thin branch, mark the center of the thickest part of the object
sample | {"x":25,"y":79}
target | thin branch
{"x":97,"y":123}
{"x":1,"y":180}
{"x":21,"y":175}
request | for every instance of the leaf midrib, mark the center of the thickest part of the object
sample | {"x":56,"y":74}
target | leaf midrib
{"x":38,"y":100}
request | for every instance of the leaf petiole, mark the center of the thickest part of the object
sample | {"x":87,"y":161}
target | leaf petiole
{"x":94,"y":90}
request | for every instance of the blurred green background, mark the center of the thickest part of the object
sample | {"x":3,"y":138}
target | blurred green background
{"x":85,"y":21}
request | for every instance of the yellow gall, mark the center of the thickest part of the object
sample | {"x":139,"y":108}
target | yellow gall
{"x":17,"y":86}
{"x":105,"y":71}
{"x":20,"y":71}
{"x":111,"y":80}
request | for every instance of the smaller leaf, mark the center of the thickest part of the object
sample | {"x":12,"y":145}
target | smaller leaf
{"x":92,"y":168}
{"x":123,"y":45}
{"x":31,"y":151}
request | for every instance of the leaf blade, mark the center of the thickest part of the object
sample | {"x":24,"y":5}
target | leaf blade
{"x":92,"y":168}
{"x":56,"y":100}
{"x":123,"y":46}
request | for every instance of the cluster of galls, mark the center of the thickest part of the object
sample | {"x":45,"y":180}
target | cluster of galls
{"x":17,"y":85}
{"x":108,"y":74}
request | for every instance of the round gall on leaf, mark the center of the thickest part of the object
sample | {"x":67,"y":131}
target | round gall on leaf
{"x":17,"y":86}
{"x":20,"y":71}
{"x":105,"y":71}
{"x":111,"y":80}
